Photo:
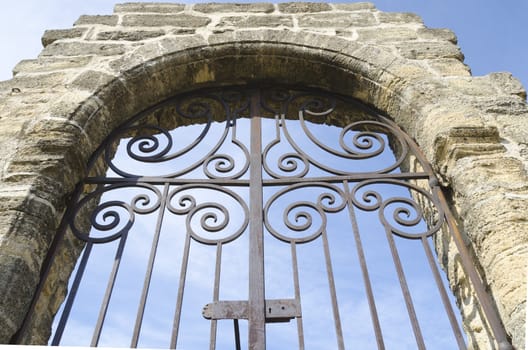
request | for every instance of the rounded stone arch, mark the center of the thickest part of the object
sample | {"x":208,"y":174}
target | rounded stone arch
{"x":419,"y":81}
{"x":406,"y":90}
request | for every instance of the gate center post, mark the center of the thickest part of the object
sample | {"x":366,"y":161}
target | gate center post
{"x":256,"y":307}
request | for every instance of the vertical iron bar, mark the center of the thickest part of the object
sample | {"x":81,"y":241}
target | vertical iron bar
{"x":216,"y":292}
{"x":295,"y":268}
{"x":492,"y":316}
{"x":256,"y":312}
{"x":256,"y":305}
{"x":445,"y":299}
{"x":333,"y":294}
{"x":405,"y":290}
{"x":148,"y":273}
{"x":71,"y":296}
{"x":109,"y":289}
{"x":364,"y":271}
{"x":181,"y":288}
{"x":56,"y":244}
{"x":237,"y":334}
{"x":484,"y":298}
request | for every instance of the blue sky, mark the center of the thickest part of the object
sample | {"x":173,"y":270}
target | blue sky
{"x":313,"y":279}
{"x":492,"y":33}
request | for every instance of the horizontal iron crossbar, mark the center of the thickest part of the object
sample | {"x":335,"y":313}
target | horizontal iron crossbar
{"x":265,"y":182}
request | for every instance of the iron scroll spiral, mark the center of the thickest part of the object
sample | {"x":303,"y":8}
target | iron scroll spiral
{"x":210,"y":217}
{"x":298,"y":216}
{"x":153,"y":144}
{"x":358,"y":140}
{"x":406,"y":211}
{"x":224,"y":166}
{"x":114,"y":218}
{"x":300,"y":179}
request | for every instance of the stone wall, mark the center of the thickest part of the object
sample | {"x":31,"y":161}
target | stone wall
{"x":87,"y":80}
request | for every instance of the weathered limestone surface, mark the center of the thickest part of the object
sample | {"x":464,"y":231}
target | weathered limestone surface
{"x":149,"y":7}
{"x":296,"y":7}
{"x":158,"y":20}
{"x":129,"y":35}
{"x":53,"y":35}
{"x":89,"y":79}
{"x":106,"y":20}
{"x":219,"y":8}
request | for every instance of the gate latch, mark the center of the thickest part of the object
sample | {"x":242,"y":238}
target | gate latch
{"x":277,"y":310}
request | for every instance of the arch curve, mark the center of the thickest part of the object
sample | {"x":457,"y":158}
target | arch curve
{"x":360,"y":71}
{"x":416,"y":77}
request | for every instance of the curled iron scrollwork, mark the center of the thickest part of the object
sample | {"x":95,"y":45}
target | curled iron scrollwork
{"x":149,"y":147}
{"x":111,"y":218}
{"x":227,"y":166}
{"x":183,"y":168}
{"x":153,"y":146}
{"x":210,"y":222}
{"x":359,"y":140}
{"x":399,"y":211}
{"x":365,"y":144}
{"x":290,"y":164}
{"x":304,"y":220}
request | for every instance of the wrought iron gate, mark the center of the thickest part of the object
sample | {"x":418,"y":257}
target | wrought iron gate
{"x":269,"y":167}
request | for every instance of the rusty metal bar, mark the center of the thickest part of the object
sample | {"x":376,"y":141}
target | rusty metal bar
{"x":237,"y":334}
{"x":333,"y":294}
{"x":287,"y":103}
{"x":364,"y":271}
{"x":57,"y":242}
{"x":73,"y":293}
{"x":297,"y":291}
{"x":405,"y":291}
{"x":445,"y":299}
{"x":181,"y":289}
{"x":484,"y":298}
{"x":148,"y":273}
{"x":109,"y":289}
{"x":265,"y":182}
{"x":216,"y":292}
{"x":256,"y":317}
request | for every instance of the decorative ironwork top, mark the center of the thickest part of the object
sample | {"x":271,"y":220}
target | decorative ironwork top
{"x":211,"y":145}
{"x":248,"y":167}
{"x":309,"y":139}
{"x":225,"y":164}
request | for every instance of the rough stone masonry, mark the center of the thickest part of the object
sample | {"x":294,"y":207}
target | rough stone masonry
{"x":89,"y":79}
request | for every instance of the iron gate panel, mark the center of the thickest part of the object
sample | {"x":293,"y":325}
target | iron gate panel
{"x":265,"y":170}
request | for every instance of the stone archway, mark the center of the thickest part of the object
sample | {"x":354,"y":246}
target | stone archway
{"x":58,"y":108}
